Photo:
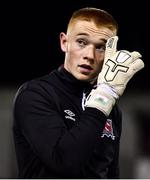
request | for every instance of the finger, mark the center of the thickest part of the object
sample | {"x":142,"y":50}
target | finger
{"x":136,"y":55}
{"x":111,"y":46}
{"x":122,"y":56}
{"x":127,"y":56}
{"x":138,"y":65}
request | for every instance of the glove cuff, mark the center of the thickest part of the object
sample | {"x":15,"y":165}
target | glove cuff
{"x":102,"y":98}
{"x":109,"y":89}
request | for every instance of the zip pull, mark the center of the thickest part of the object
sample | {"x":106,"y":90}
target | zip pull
{"x":83,"y":100}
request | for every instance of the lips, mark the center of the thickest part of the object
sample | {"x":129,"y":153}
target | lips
{"x":85,"y":66}
{"x":85,"y":69}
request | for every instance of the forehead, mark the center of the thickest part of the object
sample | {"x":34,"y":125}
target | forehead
{"x":90,"y":29}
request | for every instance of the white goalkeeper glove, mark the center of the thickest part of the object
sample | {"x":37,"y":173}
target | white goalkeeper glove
{"x":118,"y":68}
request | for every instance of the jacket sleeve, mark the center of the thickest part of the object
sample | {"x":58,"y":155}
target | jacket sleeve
{"x":60,"y":149}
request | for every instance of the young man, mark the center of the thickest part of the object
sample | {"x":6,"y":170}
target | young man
{"x":67,"y":123}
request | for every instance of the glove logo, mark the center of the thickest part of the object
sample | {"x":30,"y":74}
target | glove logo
{"x":114,"y":67}
{"x":113,"y":70}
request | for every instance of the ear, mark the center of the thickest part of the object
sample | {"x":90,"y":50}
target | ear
{"x":63,"y":41}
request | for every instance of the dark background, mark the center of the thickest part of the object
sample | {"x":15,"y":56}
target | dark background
{"x":30,"y":36}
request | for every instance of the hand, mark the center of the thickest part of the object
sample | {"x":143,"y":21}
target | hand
{"x":118,"y":68}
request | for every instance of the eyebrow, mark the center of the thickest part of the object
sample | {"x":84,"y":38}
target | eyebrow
{"x":85,"y":34}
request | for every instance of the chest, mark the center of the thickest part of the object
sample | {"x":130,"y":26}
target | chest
{"x":71,"y":108}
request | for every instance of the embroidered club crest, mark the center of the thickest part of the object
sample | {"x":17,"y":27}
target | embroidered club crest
{"x":108,"y":130}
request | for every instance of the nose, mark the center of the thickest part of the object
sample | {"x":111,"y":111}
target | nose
{"x":90,"y":53}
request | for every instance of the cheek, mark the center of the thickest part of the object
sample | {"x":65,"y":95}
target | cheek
{"x":74,"y":57}
{"x":72,"y":61}
{"x":100,"y":61}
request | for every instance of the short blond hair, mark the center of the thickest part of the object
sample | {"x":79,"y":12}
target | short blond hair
{"x":100,"y":17}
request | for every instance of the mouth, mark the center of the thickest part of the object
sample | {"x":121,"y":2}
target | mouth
{"x":84,"y":68}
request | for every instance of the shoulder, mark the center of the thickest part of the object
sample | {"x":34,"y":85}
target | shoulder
{"x":41,"y":84}
{"x":38,"y":88}
{"x":35,"y":96}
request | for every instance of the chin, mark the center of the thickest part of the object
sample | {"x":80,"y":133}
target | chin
{"x":84,"y":78}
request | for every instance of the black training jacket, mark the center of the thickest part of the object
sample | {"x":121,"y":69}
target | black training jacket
{"x":56,"y":137}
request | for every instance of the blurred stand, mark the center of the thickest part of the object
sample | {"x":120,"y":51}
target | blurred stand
{"x":8,"y":165}
{"x":142,"y":168}
{"x":135,"y":141}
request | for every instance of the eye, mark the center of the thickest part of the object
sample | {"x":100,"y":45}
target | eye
{"x":82,"y":42}
{"x":101,"y":48}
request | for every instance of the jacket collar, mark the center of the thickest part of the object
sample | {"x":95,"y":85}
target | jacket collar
{"x":71,"y":82}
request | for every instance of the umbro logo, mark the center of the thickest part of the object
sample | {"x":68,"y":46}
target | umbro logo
{"x":70,"y":115}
